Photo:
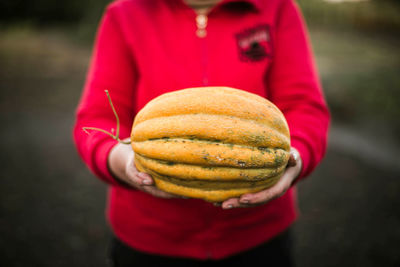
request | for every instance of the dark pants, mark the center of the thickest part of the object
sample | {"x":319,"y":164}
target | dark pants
{"x":276,"y":252}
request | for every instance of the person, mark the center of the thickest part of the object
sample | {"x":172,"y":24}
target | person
{"x":145,"y":48}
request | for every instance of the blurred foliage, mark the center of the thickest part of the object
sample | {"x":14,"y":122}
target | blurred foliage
{"x":375,"y":15}
{"x":41,"y":12}
{"x":356,"y":46}
{"x":359,"y":73}
{"x":372,"y":14}
{"x":79,"y":17}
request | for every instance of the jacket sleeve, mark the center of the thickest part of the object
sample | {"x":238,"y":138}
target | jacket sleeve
{"x":295,"y":87}
{"x":112,"y":67}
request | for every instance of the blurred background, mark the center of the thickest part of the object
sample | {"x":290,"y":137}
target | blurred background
{"x":52,"y":208}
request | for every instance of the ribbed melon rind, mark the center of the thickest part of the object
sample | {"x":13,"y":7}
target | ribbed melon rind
{"x":236,"y":103}
{"x":208,"y":195}
{"x":211,"y":195}
{"x":201,"y":152}
{"x":221,"y":128}
{"x":207,"y":173}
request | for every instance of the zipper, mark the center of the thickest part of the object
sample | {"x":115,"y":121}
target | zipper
{"x":201,"y":23}
{"x":201,"y":32}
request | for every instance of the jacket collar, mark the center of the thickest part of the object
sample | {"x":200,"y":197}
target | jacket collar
{"x":255,"y":3}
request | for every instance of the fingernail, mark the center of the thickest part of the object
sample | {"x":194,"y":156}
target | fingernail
{"x":245,"y":200}
{"x":142,"y":175}
{"x":229,"y":206}
{"x":146,"y":182}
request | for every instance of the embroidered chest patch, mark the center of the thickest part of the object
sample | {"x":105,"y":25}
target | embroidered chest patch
{"x":254,"y":44}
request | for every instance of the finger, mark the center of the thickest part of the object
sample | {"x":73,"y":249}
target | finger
{"x":294,"y":157}
{"x":234,"y":203}
{"x":230,"y":203}
{"x":140,"y":178}
{"x":258,"y":198}
{"x":292,"y":161}
{"x":269,"y":194}
{"x":144,"y":178}
{"x":137,"y":177}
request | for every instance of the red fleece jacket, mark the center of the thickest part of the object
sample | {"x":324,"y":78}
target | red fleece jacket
{"x":145,"y":48}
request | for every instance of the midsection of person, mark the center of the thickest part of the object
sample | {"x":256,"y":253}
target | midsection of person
{"x":241,"y":45}
{"x":171,"y":56}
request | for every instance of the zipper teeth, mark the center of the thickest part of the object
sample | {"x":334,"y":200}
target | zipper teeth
{"x":205,"y":69}
{"x":201,"y":32}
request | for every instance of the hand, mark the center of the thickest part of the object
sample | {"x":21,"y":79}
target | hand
{"x":122,"y":165}
{"x":248,"y":200}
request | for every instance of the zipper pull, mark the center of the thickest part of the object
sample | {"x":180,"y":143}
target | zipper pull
{"x":201,"y":22}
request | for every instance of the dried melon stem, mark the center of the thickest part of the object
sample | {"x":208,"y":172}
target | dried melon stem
{"x":116,"y":136}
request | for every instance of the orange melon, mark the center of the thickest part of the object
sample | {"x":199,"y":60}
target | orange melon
{"x":212,"y":143}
